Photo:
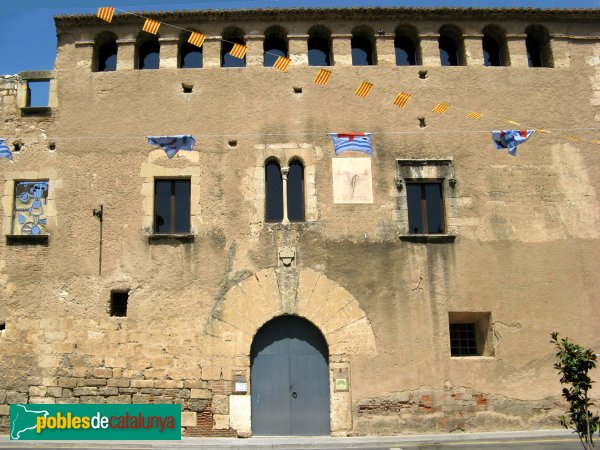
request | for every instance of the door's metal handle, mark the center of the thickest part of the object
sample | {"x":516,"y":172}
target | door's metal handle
{"x":294,"y":394}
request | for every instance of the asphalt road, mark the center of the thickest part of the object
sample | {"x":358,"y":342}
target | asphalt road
{"x":552,"y":440}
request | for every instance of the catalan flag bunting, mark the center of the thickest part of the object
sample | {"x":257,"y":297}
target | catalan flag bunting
{"x":363,"y":89}
{"x":197,"y":39}
{"x":510,"y":139}
{"x":323,"y":77}
{"x":4,"y":150}
{"x":401,"y":99}
{"x":106,"y":13}
{"x":151,"y":26}
{"x":441,"y":108}
{"x":238,"y":51}
{"x":343,"y":142}
{"x":474,"y":115}
{"x":172,"y":144}
{"x":282,"y":63}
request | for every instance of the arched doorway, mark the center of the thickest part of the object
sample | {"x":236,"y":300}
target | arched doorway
{"x":289,"y":376}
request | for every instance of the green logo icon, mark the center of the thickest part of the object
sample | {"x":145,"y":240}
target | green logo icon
{"x":95,"y":422}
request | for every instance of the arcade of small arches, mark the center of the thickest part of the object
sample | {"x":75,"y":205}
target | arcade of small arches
{"x":320,"y":51}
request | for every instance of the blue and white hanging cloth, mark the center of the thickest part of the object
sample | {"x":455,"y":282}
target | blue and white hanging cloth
{"x":172,"y":144}
{"x":510,"y":139}
{"x":343,"y":142}
{"x":4,"y":150}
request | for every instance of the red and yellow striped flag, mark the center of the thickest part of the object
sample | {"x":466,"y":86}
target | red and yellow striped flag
{"x":441,"y":108}
{"x":106,"y":13}
{"x":363,"y":89}
{"x":474,"y":115}
{"x":401,"y":99}
{"x":323,"y":77}
{"x":151,"y":26}
{"x":197,"y":39}
{"x":238,"y":51}
{"x":282,"y":63}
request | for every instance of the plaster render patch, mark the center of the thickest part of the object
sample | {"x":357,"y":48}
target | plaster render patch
{"x":579,"y":212}
{"x":352,"y":180}
{"x":240,"y":413}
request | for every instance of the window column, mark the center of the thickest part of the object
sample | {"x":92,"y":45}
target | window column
{"x":284,"y":176}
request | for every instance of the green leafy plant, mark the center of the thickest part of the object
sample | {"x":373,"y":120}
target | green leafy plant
{"x":574,"y":363}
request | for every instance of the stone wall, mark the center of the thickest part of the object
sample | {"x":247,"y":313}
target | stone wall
{"x":524,"y":248}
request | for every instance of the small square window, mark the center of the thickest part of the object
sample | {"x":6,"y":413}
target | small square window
{"x":172,"y":206}
{"x":29,"y":211}
{"x":463,"y":341}
{"x":469,"y":334}
{"x":425,"y":208}
{"x":118,"y":303}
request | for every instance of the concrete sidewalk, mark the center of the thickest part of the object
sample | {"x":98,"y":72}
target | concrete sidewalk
{"x":321,"y":442}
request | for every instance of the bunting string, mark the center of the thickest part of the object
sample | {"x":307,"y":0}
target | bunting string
{"x":323,"y":78}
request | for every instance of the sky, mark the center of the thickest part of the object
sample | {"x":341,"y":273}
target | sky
{"x":28,"y":37}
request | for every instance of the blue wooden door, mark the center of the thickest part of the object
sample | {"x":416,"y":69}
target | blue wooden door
{"x":289,"y":379}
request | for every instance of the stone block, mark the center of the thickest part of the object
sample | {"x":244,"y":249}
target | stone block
{"x":15,"y":397}
{"x":197,"y":405}
{"x":221,"y":421}
{"x":220,"y":404}
{"x":91,"y":399}
{"x":141,"y":398}
{"x":67,"y":401}
{"x":118,"y":382}
{"x":95,"y":382}
{"x":169,"y":384}
{"x":4,"y":410}
{"x":108,"y":391}
{"x":37,"y":400}
{"x":37,"y":391}
{"x":102,"y":372}
{"x":200,"y":393}
{"x":128,"y":391}
{"x":189,"y":419}
{"x":142,"y":383}
{"x":78,"y":391}
{"x":54,"y":391}
{"x":119,"y":399}
{"x":114,"y":362}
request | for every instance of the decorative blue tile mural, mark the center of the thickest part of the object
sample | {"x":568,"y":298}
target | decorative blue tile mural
{"x":31,"y":199}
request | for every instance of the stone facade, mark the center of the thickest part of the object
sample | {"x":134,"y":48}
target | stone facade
{"x":520,"y":244}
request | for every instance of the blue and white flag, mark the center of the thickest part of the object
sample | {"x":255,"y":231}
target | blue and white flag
{"x":352,"y":141}
{"x":510,"y":139}
{"x":4,"y":150}
{"x":172,"y":144}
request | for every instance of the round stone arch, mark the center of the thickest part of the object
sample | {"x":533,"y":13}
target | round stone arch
{"x":274,"y":292}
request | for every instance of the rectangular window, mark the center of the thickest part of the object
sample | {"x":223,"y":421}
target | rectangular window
{"x":29,"y":212}
{"x":425,"y":208}
{"x":462,"y":339}
{"x":172,"y":206}
{"x":470,"y":334}
{"x":118,"y":303}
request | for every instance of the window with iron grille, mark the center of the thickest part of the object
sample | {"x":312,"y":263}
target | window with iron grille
{"x":172,"y":206}
{"x":463,"y":340}
{"x":470,"y":334}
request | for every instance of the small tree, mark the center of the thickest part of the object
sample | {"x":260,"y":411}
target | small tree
{"x":573,"y":366}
